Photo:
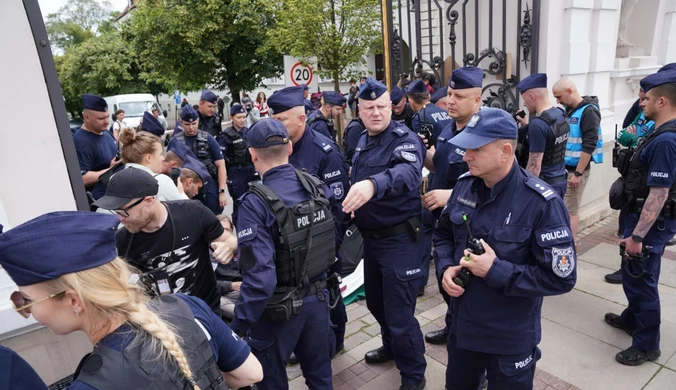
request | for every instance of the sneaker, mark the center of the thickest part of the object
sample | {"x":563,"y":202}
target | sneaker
{"x":613,"y":320}
{"x":636,"y":357}
{"x":614,"y":278}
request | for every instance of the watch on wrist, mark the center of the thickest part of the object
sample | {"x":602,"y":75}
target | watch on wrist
{"x":577,"y":174}
{"x":222,"y":191}
{"x":636,"y":238}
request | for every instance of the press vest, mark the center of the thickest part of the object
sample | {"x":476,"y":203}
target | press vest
{"x":306,"y":245}
{"x":643,"y":125}
{"x":574,"y":145}
{"x":201,"y":151}
{"x":238,"y":152}
{"x":137,"y":367}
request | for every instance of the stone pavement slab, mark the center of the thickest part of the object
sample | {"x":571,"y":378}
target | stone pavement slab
{"x":664,"y":380}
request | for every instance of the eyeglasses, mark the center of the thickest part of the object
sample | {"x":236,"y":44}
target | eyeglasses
{"x":23,"y":308}
{"x":125,"y":211}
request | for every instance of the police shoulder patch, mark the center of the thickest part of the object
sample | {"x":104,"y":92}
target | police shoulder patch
{"x":409,"y":156}
{"x":337,"y":189}
{"x":400,"y":131}
{"x":541,"y":188}
{"x":323,"y":145}
{"x":246,"y":233}
{"x":563,"y":261}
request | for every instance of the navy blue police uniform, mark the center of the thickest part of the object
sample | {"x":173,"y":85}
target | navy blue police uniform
{"x":406,"y":115}
{"x":16,"y":373}
{"x":351,"y":138}
{"x":209,"y":124}
{"x":653,"y":165}
{"x":428,"y":114}
{"x":72,"y":241}
{"x":544,"y":137}
{"x":238,"y":162}
{"x":265,"y":262}
{"x":183,"y":152}
{"x":206,"y":149}
{"x":390,"y":225}
{"x":535,"y":257}
{"x":309,"y":107}
{"x":94,"y":151}
{"x":320,"y":156}
{"x":321,"y":124}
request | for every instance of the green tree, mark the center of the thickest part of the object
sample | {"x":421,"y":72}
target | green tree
{"x":190,"y":44}
{"x":339,"y":33}
{"x":76,"y":22}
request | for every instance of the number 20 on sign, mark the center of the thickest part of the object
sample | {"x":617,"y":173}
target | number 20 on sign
{"x":301,"y":74}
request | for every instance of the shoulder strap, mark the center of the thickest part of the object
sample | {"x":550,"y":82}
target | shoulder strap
{"x":652,"y":135}
{"x":232,"y":133}
{"x":541,"y":188}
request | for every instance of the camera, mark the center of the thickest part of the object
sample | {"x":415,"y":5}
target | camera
{"x":246,"y":102}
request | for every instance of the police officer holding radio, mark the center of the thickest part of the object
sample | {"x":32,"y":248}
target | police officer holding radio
{"x":547,"y":133}
{"x":321,"y":120}
{"x":445,"y":160}
{"x":429,"y":120}
{"x":498,"y":258}
{"x":319,"y":156}
{"x":206,"y":149}
{"x":650,"y":195}
{"x":385,"y":199}
{"x":285,"y":237}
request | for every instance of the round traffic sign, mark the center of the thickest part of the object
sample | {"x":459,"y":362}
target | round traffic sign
{"x":301,"y":74}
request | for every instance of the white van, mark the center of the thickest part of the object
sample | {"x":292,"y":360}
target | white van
{"x":134,"y":105}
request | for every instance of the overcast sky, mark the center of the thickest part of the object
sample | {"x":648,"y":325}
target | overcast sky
{"x":51,"y":6}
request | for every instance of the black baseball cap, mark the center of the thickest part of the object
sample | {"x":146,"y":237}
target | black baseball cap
{"x":126,"y":185}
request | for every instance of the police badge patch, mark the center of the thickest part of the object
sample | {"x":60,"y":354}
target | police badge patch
{"x":337,"y":189}
{"x":409,"y":156}
{"x":563,"y":261}
{"x":474,"y":120}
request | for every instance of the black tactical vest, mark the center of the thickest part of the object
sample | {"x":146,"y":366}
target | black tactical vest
{"x":306,"y":245}
{"x":137,"y":367}
{"x":555,"y":152}
{"x":238,"y":152}
{"x":321,"y":117}
{"x":201,"y":151}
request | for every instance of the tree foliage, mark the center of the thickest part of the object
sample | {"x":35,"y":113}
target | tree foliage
{"x":194,"y":43}
{"x":76,"y":22}
{"x":339,"y":33}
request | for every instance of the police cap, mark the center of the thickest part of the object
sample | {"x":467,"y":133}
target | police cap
{"x":396,"y":95}
{"x":658,"y":79}
{"x":94,"y":103}
{"x":334,"y":98}
{"x":466,"y":77}
{"x":486,"y":126}
{"x":417,"y":86}
{"x":536,"y":80}
{"x":152,"y":125}
{"x":209,"y":96}
{"x":286,"y":99}
{"x":372,"y":89}
{"x":269,"y":132}
{"x":237,"y":109}
{"x":197,"y":167}
{"x":188,"y":114}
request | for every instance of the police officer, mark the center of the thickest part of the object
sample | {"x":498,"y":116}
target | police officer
{"x":402,"y":112}
{"x":96,"y":148}
{"x":547,"y":133}
{"x":309,"y":107}
{"x":445,"y":160}
{"x":427,"y":115}
{"x":206,"y":149}
{"x":70,"y":278}
{"x":208,"y":122}
{"x":650,"y":192}
{"x":321,"y":120}
{"x":151,"y":124}
{"x":439,"y":98}
{"x":284,"y":231}
{"x":235,"y":149}
{"x":16,"y":373}
{"x":319,"y":156}
{"x":529,"y":253}
{"x":351,"y":136}
{"x":385,"y":199}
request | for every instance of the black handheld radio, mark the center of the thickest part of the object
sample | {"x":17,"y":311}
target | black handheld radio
{"x":616,"y":149}
{"x":474,"y":247}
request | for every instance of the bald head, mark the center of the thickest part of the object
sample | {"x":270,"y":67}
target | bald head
{"x":294,"y":121}
{"x":566,"y":93}
{"x":536,"y":100}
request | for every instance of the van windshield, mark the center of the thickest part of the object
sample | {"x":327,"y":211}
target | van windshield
{"x":136,"y":109}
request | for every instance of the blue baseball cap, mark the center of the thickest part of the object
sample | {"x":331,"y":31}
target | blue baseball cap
{"x":417,"y":86}
{"x":58,"y":243}
{"x":152,"y":125}
{"x":671,"y":66}
{"x":286,"y":99}
{"x":237,"y":109}
{"x":94,"y":103}
{"x":486,"y":126}
{"x":334,"y":98}
{"x":196,"y":166}
{"x":260,"y":133}
{"x":657,"y":79}
{"x":209,"y":96}
{"x":439,"y":94}
{"x":396,"y":95}
{"x":536,"y":80}
{"x":188,"y":114}
{"x":466,"y":77}
{"x":371,"y":89}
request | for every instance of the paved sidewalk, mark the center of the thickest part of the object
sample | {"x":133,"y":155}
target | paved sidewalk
{"x":578,"y":347}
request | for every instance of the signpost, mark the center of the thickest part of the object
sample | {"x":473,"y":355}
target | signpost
{"x":295,"y":73}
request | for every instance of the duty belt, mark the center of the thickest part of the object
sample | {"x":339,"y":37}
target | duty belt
{"x":554,"y":180}
{"x":412,"y":225}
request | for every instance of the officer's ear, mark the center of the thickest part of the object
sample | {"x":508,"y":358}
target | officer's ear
{"x":254,"y":155}
{"x":290,"y":147}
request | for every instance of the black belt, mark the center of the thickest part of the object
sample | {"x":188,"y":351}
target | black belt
{"x":411,"y":225}
{"x":554,"y":180}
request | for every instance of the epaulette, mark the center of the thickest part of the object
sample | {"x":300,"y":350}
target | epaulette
{"x":465,"y":175}
{"x":325,"y":146}
{"x":541,"y":188}
{"x":401,"y":131}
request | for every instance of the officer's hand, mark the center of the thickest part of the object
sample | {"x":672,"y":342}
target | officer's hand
{"x":236,"y":286}
{"x":114,"y":161}
{"x":479,"y":265}
{"x":222,"y":252}
{"x":222,"y":199}
{"x":522,"y":121}
{"x":631,"y":129}
{"x":574,"y":181}
{"x":436,"y":199}
{"x":632,"y":248}
{"x":447,"y":283}
{"x":425,"y":140}
{"x":360,"y":193}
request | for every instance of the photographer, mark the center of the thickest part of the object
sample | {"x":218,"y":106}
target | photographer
{"x":253,"y":115}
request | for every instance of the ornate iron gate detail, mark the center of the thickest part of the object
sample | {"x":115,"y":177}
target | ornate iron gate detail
{"x":424,"y":22}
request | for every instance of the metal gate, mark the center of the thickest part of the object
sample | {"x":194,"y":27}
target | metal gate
{"x":437,"y":36}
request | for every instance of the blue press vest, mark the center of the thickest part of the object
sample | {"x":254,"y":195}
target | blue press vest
{"x":643,"y":126}
{"x":574,"y":145}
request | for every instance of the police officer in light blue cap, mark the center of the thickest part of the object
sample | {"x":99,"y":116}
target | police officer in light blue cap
{"x":209,"y":122}
{"x":649,"y":193}
{"x":96,"y":148}
{"x":385,"y":199}
{"x":528,"y":253}
{"x":321,"y":120}
{"x":206,"y":149}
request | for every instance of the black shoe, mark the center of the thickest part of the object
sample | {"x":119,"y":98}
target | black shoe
{"x":419,"y":386}
{"x":293,"y":360}
{"x":377,"y":356}
{"x":437,"y":336}
{"x":635,"y":357}
{"x":671,"y":242}
{"x":614,"y":278}
{"x":613,"y":320}
{"x":421,"y":292}
{"x":484,"y":383}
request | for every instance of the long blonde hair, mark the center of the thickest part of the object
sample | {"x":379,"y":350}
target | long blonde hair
{"x":106,"y":291}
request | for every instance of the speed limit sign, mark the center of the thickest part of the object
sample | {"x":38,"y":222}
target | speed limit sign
{"x":295,"y":73}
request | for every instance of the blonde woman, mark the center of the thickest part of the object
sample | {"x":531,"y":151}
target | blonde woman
{"x":70,"y":279}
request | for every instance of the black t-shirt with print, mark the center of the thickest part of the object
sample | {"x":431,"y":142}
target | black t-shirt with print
{"x":188,"y":269}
